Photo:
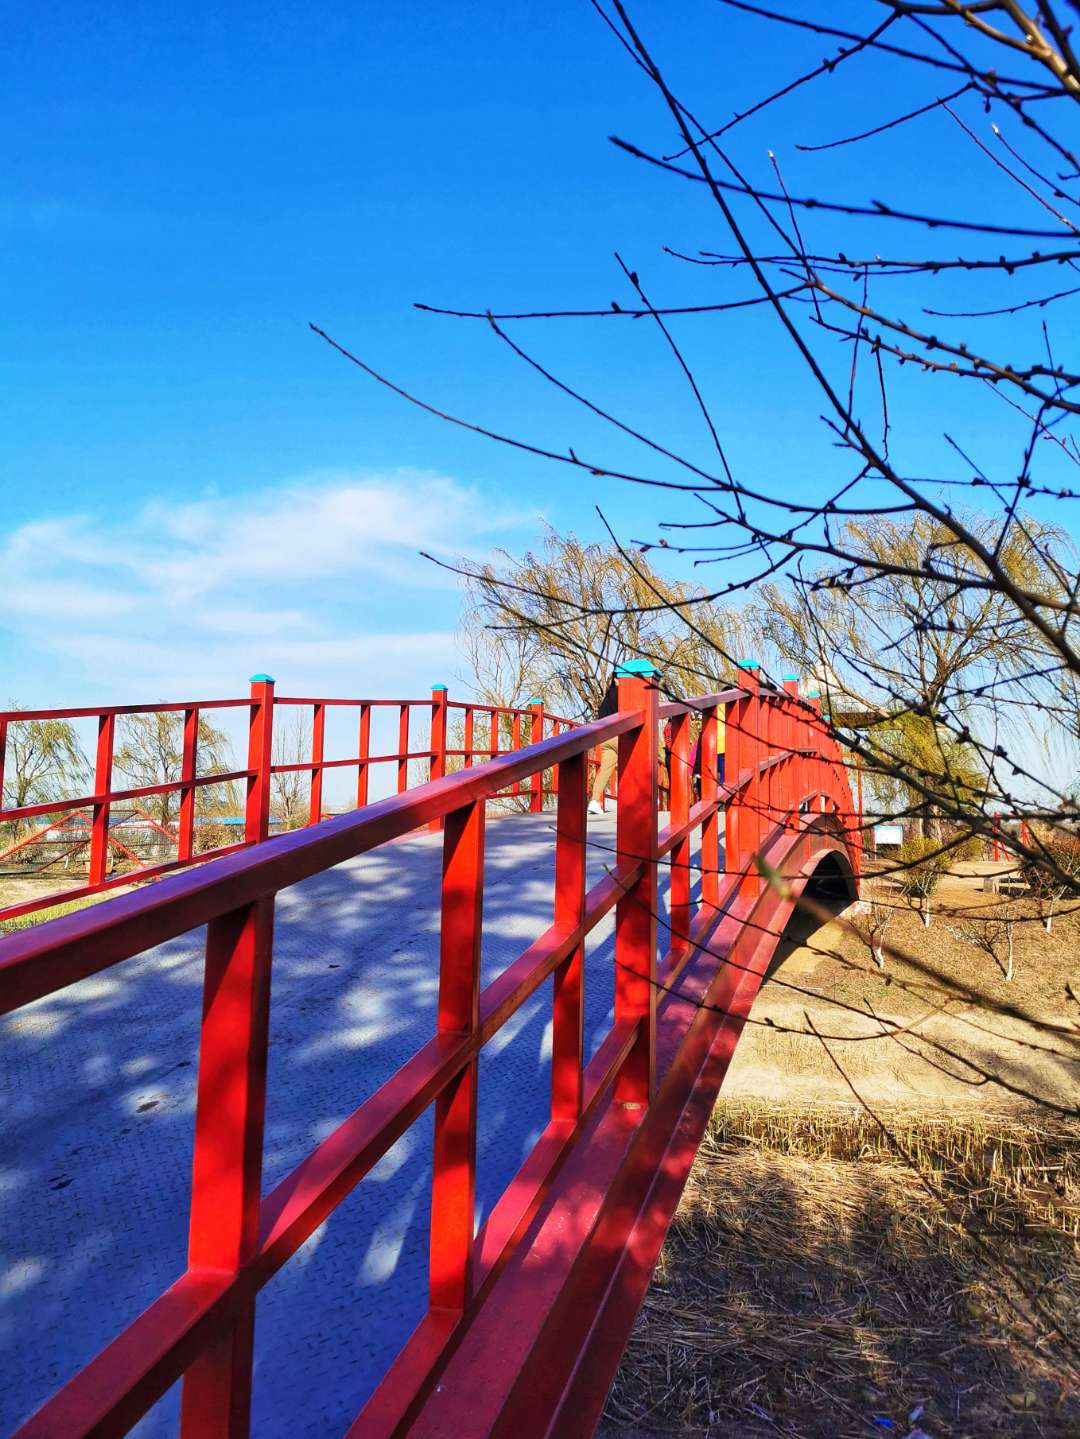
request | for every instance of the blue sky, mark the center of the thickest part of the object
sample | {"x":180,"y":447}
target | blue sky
{"x":195,"y":487}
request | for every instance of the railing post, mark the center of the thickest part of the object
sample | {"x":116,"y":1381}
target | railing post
{"x":536,"y":734}
{"x":453,"y":1180}
{"x":318,"y":733}
{"x":635,"y":912}
{"x":768,"y":779}
{"x":568,"y":1007}
{"x":711,"y":825}
{"x":680,"y":911}
{"x":437,"y":768}
{"x":403,"y":749}
{"x":186,"y":829}
{"x":814,"y":726}
{"x":99,"y":830}
{"x":364,"y":742}
{"x":515,"y":742}
{"x":859,"y":835}
{"x":751,"y":823}
{"x":226,"y":1175}
{"x":260,"y":758}
{"x":791,"y":742}
{"x":734,"y":752}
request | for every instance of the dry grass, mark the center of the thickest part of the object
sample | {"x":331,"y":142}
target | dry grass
{"x":810,"y":1282}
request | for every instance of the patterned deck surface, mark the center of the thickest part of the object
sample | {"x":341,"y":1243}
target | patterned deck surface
{"x":97,"y":1092}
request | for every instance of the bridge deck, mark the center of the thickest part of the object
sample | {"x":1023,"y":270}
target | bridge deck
{"x":98,"y":1083}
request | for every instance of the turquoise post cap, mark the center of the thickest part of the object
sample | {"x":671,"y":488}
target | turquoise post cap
{"x":791,"y":679}
{"x":635,"y":667}
{"x":439,"y":687}
{"x":749,"y":665}
{"x":534,"y":701}
{"x":262,"y":679}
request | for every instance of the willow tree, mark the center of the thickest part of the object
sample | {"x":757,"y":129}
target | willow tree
{"x":150,"y":751}
{"x":553,"y":623}
{"x":933,"y":670}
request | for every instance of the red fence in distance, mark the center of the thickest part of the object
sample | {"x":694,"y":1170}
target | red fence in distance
{"x":484,"y":731}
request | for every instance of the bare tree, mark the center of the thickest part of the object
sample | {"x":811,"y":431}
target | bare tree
{"x":289,"y":791}
{"x":993,"y":935}
{"x":555,"y":622}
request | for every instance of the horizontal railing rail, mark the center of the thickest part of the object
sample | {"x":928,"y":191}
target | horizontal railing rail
{"x":781,"y":767}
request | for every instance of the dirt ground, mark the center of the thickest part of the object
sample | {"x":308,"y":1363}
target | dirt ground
{"x":959,"y":1032}
{"x":824,"y":1278}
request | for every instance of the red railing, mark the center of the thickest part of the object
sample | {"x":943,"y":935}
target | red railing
{"x":485,"y":731}
{"x":780,"y":760}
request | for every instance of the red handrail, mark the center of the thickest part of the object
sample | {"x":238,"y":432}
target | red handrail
{"x":201,"y":1328}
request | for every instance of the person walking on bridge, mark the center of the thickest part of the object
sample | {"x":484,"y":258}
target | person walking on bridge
{"x":609,"y":750}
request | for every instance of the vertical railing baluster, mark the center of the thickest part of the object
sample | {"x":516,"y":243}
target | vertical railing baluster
{"x":403,"y":750}
{"x":189,"y":764}
{"x":260,"y":758}
{"x":99,"y":828}
{"x":468,"y":741}
{"x":318,"y":735}
{"x":710,"y":790}
{"x":536,"y":734}
{"x":568,"y":1006}
{"x":363,"y":751}
{"x":814,"y":768}
{"x":680,"y":910}
{"x":453,"y":1184}
{"x":791,"y":742}
{"x":437,"y":765}
{"x":859,"y":833}
{"x":226,"y":1176}
{"x":751,"y":820}
{"x":515,"y":743}
{"x":635,"y":911}
{"x":734,"y":809}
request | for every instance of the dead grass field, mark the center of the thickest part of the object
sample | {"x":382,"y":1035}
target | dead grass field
{"x":811,"y":1285}
{"x":821,"y":1279}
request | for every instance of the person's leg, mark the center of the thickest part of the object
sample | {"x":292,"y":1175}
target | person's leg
{"x":609,"y":758}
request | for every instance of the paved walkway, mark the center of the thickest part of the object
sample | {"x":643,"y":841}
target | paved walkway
{"x":97,"y":1091}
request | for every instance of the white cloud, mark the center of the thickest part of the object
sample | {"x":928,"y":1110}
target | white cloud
{"x":317,"y":580}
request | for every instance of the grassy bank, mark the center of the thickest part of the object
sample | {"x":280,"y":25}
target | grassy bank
{"x":821,"y":1276}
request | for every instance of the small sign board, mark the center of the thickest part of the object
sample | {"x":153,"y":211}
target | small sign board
{"x":888,"y":834}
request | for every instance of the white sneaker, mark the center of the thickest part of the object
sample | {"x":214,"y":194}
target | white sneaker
{"x":595,"y":807}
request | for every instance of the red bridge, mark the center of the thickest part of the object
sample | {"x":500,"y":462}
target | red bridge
{"x":526,"y":1315}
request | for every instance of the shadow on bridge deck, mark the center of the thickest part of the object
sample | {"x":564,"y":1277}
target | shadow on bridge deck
{"x":98,"y":1087}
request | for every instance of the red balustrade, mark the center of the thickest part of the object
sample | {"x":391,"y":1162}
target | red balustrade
{"x":433,"y":753}
{"x":785,"y":777}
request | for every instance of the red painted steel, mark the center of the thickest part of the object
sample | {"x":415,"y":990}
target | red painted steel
{"x":535,"y":1347}
{"x":568,"y":1008}
{"x":635,"y":912}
